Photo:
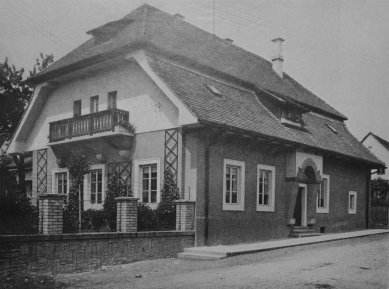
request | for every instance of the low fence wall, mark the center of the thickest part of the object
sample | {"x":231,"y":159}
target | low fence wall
{"x":78,"y":252}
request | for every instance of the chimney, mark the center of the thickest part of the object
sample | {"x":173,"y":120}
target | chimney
{"x":229,"y":40}
{"x":278,"y":59}
{"x":179,"y":16}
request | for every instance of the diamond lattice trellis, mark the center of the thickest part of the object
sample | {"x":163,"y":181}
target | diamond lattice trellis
{"x":171,"y":151}
{"x":42,"y":171}
{"x":121,"y":171}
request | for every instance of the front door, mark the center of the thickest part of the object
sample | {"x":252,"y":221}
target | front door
{"x":300,"y":208}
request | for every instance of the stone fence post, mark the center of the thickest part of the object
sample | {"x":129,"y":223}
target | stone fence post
{"x":127,"y":214}
{"x":51,"y":213}
{"x":185,"y":213}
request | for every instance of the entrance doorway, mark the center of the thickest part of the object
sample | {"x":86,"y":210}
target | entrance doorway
{"x":300,"y":208}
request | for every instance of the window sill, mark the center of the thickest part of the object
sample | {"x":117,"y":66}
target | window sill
{"x":352,"y":212}
{"x":265,"y":209}
{"x":322,"y":211}
{"x":228,"y":207}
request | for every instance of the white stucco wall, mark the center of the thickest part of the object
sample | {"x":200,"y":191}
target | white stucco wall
{"x":379,"y":151}
{"x":149,"y":108}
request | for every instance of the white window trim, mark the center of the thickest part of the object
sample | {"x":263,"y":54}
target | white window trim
{"x":326,"y":209}
{"x":53,"y":185}
{"x":241,"y":183}
{"x":354,"y":211}
{"x":272,"y":196}
{"x":137,"y":175}
{"x":87,"y":192}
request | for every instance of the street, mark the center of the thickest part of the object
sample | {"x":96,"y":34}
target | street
{"x":353,"y":263}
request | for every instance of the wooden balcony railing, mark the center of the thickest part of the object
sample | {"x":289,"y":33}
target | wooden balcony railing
{"x":87,"y":124}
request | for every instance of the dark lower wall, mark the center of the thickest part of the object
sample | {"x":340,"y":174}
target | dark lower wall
{"x":227,"y":227}
{"x":344,"y":177}
{"x":78,"y":252}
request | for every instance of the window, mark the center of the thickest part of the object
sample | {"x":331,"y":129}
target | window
{"x":213,"y":90}
{"x":93,"y":187}
{"x":265,"y":188}
{"x":76,"y":108}
{"x":112,"y":98}
{"x":96,"y":186}
{"x":149,"y":183}
{"x":147,"y":180}
{"x":291,"y":117}
{"x":60,"y":181}
{"x":352,"y":202}
{"x":323,"y":196}
{"x":94,"y":104}
{"x":233,"y":185}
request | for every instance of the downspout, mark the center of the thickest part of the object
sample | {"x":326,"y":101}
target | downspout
{"x":368,"y":196}
{"x":207,"y":186}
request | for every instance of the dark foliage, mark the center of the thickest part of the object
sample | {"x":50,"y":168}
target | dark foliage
{"x":380,"y":192}
{"x":93,"y":221}
{"x":18,"y":216}
{"x":15,"y":93}
{"x":147,"y":218}
{"x":116,"y":188}
{"x":78,"y":166}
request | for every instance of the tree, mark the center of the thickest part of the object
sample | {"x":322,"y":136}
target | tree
{"x":380,"y":192}
{"x":16,"y":93}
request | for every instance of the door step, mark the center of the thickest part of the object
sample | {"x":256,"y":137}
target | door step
{"x":301,"y":232}
{"x":197,"y":253}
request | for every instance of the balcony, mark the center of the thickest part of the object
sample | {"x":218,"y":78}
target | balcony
{"x":102,"y":123}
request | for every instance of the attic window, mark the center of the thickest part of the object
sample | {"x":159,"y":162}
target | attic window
{"x":213,"y":90}
{"x":291,"y":117}
{"x":332,"y":128}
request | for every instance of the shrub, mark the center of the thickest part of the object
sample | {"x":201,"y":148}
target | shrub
{"x":147,"y":218}
{"x":18,"y":216}
{"x":93,"y":220}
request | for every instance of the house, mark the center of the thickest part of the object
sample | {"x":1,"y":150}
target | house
{"x":256,"y":151}
{"x":379,"y":147}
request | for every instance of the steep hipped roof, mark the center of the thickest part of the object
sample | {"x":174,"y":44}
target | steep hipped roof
{"x":150,"y":26}
{"x":239,"y":107}
{"x":383,"y":142}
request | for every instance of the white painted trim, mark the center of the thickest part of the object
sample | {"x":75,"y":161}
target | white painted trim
{"x":304,"y":205}
{"x":272,"y":196}
{"x":185,"y":115}
{"x":137,"y":177}
{"x":87,"y":196}
{"x":53,"y":184}
{"x":241,"y":184}
{"x":326,"y":209}
{"x":352,"y":211}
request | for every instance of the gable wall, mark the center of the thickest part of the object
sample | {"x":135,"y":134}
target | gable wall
{"x":380,"y":151}
{"x":149,"y":108}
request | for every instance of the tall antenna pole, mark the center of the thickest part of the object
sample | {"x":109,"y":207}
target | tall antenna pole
{"x":214,"y":13}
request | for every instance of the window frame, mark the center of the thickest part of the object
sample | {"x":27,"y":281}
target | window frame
{"x":272,"y":195}
{"x":352,"y":210}
{"x":326,"y":208}
{"x":77,"y":104}
{"x":112,"y":95}
{"x":87,"y":188}
{"x":239,"y":206}
{"x":54,"y":187}
{"x":138,"y":164}
{"x":94,"y":108}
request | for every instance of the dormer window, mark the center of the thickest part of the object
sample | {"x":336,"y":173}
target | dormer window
{"x":213,"y":90}
{"x":291,"y":117}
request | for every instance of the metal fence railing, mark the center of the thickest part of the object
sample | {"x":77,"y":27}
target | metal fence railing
{"x":379,"y":216}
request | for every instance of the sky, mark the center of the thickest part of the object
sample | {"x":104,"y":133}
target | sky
{"x":337,"y":49}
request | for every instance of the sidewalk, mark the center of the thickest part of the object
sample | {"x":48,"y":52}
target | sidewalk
{"x":221,"y":251}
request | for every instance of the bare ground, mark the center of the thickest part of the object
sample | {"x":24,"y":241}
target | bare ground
{"x":354,"y":263}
